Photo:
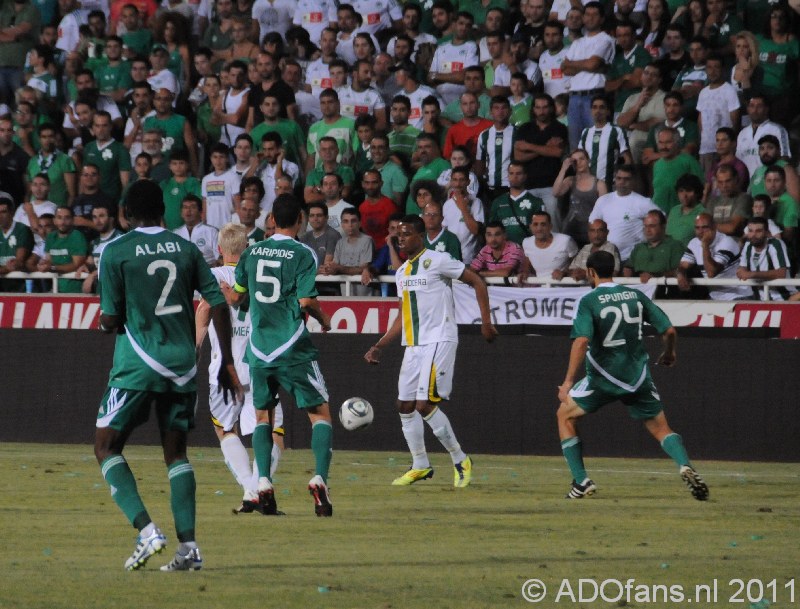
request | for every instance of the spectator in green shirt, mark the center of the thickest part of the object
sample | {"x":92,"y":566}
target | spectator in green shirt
{"x":19,"y":28}
{"x":428,"y":159}
{"x":66,"y":250}
{"x":680,"y":221}
{"x":176,"y":188}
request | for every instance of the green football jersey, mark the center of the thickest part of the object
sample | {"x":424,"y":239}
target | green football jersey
{"x":18,"y":236}
{"x":278,"y":272}
{"x":112,"y":159}
{"x":172,"y":127}
{"x":515,"y":214}
{"x":148,"y":278}
{"x":444,"y":242}
{"x":61,"y":250}
{"x":611,"y":317}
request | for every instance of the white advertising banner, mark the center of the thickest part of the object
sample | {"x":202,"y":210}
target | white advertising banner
{"x":512,"y":305}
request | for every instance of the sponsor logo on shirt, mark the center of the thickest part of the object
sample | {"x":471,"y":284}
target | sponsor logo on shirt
{"x":216,"y":189}
{"x":312,"y":18}
{"x":451,"y":67}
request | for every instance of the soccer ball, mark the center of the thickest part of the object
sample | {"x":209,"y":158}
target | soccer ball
{"x":356,"y":413}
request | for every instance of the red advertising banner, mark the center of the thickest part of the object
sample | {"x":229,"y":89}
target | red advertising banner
{"x":375,"y":315}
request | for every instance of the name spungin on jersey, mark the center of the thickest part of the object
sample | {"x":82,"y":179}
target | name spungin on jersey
{"x":170,"y":247}
{"x":603,"y":298}
{"x":272,"y":252}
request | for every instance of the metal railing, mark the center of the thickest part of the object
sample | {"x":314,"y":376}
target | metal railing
{"x":349,"y":280}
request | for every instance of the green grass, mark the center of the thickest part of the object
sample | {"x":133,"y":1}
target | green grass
{"x":429,"y":546}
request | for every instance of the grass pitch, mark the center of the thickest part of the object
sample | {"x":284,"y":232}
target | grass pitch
{"x":428,"y":546}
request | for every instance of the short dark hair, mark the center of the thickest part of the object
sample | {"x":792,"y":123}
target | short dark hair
{"x":339,"y":179}
{"x":759,"y":220}
{"x":776,"y":169}
{"x":662,"y":217}
{"x":676,"y":95}
{"x":145,"y":201}
{"x":401,"y":99}
{"x":253,"y":181}
{"x":220,"y":148}
{"x":321,"y":205}
{"x":193,"y":199}
{"x":286,"y":210}
{"x":689,"y":181}
{"x":274,"y":137}
{"x":351,"y":211}
{"x":415,"y":221}
{"x":769,"y":139}
{"x":602,"y":263}
{"x":179,"y":155}
{"x":495,"y":224}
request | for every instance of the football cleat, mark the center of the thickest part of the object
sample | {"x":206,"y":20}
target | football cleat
{"x":266,"y":501}
{"x":185,"y":562}
{"x":579,"y":491}
{"x":696,"y":485}
{"x":413,"y":475}
{"x":319,"y":491}
{"x":248,"y":507}
{"x":145,"y":548}
{"x":463,"y":473}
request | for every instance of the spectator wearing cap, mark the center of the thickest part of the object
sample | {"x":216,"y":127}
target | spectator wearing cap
{"x":516,"y":60}
{"x":407,"y":79}
{"x":587,"y":61}
{"x":160,"y":76}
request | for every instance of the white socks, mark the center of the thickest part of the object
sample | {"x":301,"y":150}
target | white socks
{"x":442,"y":429}
{"x":414,"y":432}
{"x":237,"y":460}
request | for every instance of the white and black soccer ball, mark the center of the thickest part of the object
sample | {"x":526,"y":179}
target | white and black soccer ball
{"x":356,"y":413}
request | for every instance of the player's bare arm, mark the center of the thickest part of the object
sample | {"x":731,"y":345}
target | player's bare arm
{"x":476,"y":282}
{"x":202,"y":319}
{"x":311,"y":306}
{"x":577,"y":355}
{"x":228,"y":379}
{"x":392,"y":334}
{"x":668,"y":357}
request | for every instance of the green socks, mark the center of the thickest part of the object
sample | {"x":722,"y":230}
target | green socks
{"x":182,"y":498}
{"x":262,"y":448}
{"x":322,"y":447}
{"x":123,"y":490}
{"x":673,"y":446}
{"x":573,"y":453}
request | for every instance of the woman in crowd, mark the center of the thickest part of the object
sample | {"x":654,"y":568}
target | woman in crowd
{"x":460,"y":157}
{"x":583,"y":188}
{"x":746,"y":75}
{"x":656,"y":20}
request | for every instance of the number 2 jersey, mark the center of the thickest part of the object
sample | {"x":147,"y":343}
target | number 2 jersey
{"x":148,"y":278}
{"x":277,"y":273}
{"x":611,"y":317}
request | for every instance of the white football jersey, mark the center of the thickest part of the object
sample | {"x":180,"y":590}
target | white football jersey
{"x":240,"y":333}
{"x":425,"y":286}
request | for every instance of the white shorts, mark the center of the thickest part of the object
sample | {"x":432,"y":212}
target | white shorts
{"x":427,"y":372}
{"x":226,"y":415}
{"x":247,"y":420}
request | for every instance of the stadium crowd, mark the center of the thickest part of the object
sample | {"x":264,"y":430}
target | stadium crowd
{"x":527,"y":135}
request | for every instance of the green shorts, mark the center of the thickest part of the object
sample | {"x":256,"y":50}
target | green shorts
{"x":591,"y":393}
{"x":126,"y":409}
{"x":302,"y":381}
